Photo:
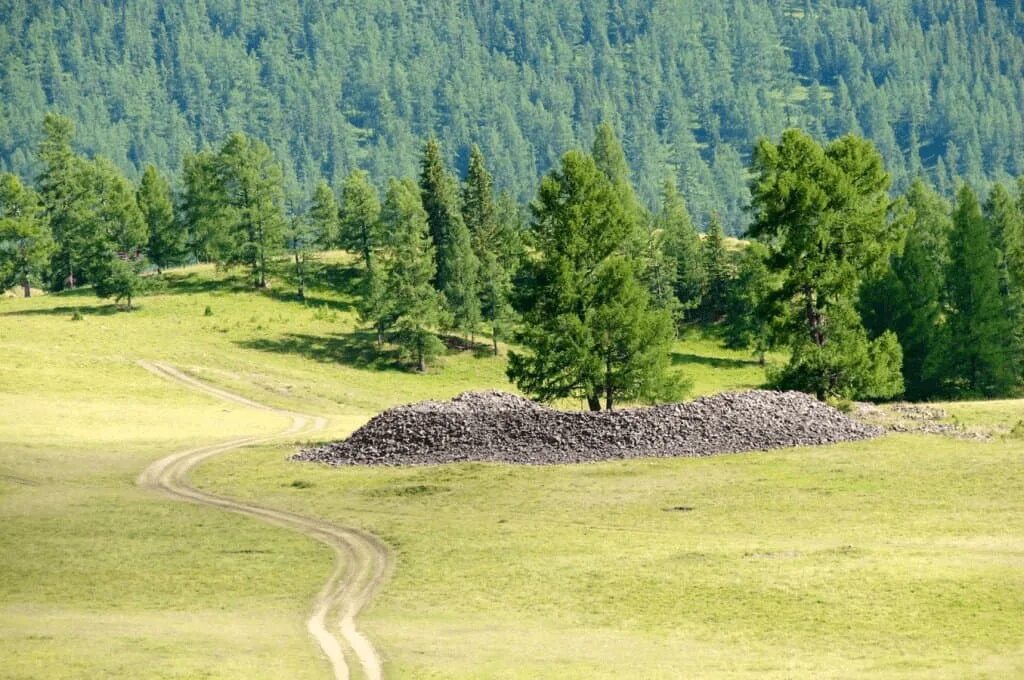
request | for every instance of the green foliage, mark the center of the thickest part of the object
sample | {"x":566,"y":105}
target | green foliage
{"x":324,"y":217}
{"x":908,"y":298}
{"x":682,"y":247}
{"x":982,"y":358}
{"x":25,"y":239}
{"x":166,"y":242}
{"x":688,"y":86}
{"x":407,"y":304}
{"x":250,"y":182}
{"x":747,"y":320}
{"x":360,"y":215}
{"x":457,"y":265}
{"x":587,"y":322}
{"x":718,"y":270}
{"x":202,"y":208}
{"x":822,"y":213}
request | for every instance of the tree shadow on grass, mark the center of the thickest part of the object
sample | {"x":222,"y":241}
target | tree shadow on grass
{"x":192,"y":283}
{"x":683,"y":359}
{"x":358,"y":349}
{"x":69,"y":310}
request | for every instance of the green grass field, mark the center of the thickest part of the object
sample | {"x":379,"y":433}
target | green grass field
{"x":902,"y":557}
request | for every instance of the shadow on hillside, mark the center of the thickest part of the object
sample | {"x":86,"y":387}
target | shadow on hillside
{"x":683,"y":359}
{"x":69,"y":310}
{"x":292,"y":296}
{"x":192,"y":283}
{"x":351,"y":349}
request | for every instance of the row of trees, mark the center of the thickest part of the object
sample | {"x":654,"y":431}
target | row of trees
{"x":871,"y":297}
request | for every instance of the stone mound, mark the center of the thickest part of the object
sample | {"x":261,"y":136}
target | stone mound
{"x":501,"y":427}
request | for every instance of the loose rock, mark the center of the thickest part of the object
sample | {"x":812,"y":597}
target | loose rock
{"x":501,"y":427}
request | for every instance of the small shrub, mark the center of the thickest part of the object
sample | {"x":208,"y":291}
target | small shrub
{"x":1018,"y":430}
{"x":77,"y":316}
{"x":208,"y":311}
{"x":301,"y":484}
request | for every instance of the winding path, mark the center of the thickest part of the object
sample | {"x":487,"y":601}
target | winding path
{"x":362,"y":562}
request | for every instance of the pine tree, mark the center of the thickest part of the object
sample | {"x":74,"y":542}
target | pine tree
{"x":166,"y":242}
{"x":587,"y":322}
{"x":982,"y":361}
{"x":202,"y":211}
{"x":457,"y":266}
{"x":252,"y":186}
{"x":360,"y":215}
{"x":822,"y":213}
{"x":718,"y":269}
{"x":908,"y":299}
{"x":413,"y":306}
{"x":59,"y":185}
{"x":323,"y":217}
{"x":25,"y":239}
{"x":494,"y":246}
{"x":682,"y":246}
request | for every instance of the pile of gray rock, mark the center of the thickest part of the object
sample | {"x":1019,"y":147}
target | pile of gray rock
{"x":500,"y":427}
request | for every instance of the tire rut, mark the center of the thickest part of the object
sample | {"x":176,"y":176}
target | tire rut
{"x":362,"y":561}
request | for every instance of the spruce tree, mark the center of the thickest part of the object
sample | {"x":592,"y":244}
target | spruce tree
{"x":457,"y":265}
{"x":587,"y":323}
{"x":682,"y":247}
{"x":494,"y":247}
{"x":1007,"y":223}
{"x":60,"y":186}
{"x":411,"y":307}
{"x":908,"y":299}
{"x":323,"y":217}
{"x":25,"y":239}
{"x":982,"y":359}
{"x":718,"y":268}
{"x":166,"y":241}
{"x":360,"y":215}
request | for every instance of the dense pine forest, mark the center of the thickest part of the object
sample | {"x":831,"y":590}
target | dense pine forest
{"x":331,"y":87}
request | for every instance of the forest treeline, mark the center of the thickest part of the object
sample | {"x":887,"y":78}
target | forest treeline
{"x":871,"y":294}
{"x":688,"y":86}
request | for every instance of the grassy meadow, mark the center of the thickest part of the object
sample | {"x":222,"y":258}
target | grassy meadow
{"x":901,"y":557}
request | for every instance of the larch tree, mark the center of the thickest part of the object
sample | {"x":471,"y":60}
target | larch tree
{"x":166,"y":239}
{"x":494,"y":247}
{"x":25,"y":239}
{"x":457,"y":266}
{"x":587,"y":322}
{"x":982,"y":360}
{"x":823,"y":215}
{"x":360,"y":217}
{"x":718,"y":272}
{"x":60,"y":186}
{"x":252,"y":185}
{"x":682,"y":247}
{"x":324,"y":216}
{"x":411,"y":308}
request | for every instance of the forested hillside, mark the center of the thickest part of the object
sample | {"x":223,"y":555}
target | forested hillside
{"x":332,"y":86}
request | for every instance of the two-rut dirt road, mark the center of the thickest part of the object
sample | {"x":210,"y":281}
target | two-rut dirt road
{"x":362,"y":560}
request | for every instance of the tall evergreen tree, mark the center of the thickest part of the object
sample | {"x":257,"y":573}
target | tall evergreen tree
{"x":360,"y":215}
{"x":908,"y":299}
{"x":412,"y":306}
{"x":323,"y":217}
{"x":822,"y":213}
{"x":1004,"y":214}
{"x":166,"y":242}
{"x":747,"y":321}
{"x":202,"y":211}
{"x":252,"y":185}
{"x":982,"y":358}
{"x":682,"y":246}
{"x":718,"y":268}
{"x":457,"y":265}
{"x":493,"y":244}
{"x":59,"y":185}
{"x":587,"y":323}
{"x":25,"y":239}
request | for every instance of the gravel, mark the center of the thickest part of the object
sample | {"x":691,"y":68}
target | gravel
{"x":501,"y":427}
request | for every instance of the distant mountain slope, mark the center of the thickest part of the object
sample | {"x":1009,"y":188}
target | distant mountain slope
{"x":332,"y":85}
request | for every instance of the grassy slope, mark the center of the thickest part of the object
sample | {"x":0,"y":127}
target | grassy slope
{"x":900,"y":556}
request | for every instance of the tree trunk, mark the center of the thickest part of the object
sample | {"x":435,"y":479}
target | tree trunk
{"x":422,"y":361}
{"x":494,"y":338}
{"x":608,"y":398}
{"x":594,"y":402}
{"x":299,"y":273}
{"x":26,"y":288}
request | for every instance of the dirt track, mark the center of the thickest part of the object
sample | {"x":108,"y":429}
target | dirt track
{"x":362,"y":563}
